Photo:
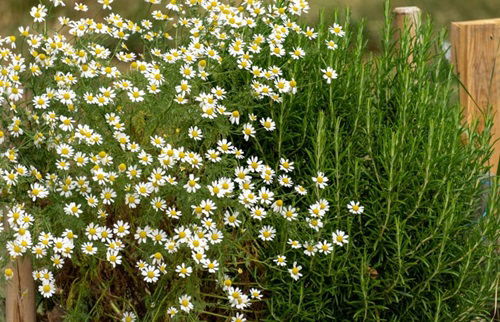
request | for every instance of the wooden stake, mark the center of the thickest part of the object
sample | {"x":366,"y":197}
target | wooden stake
{"x":406,"y":18}
{"x":476,"y":55}
{"x":20,"y":292}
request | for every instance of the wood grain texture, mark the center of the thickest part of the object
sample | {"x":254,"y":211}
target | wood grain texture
{"x":20,"y":290}
{"x":20,"y":293}
{"x":476,"y":55}
{"x":406,"y":18}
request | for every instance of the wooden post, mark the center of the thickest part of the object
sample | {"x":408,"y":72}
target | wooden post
{"x":407,"y":17}
{"x":20,"y":303}
{"x":476,"y":55}
{"x":20,"y":292}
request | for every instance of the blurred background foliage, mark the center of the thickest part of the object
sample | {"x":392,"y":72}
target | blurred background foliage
{"x":442,"y":12}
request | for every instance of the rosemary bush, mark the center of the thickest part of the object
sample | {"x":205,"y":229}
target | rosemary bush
{"x":209,"y":161}
{"x":388,"y":133}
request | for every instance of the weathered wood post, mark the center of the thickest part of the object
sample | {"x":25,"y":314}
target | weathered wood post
{"x":20,"y":289}
{"x":406,"y":19}
{"x":20,"y":292}
{"x":476,"y":55}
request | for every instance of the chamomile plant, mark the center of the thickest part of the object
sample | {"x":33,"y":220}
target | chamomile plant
{"x":126,"y":160}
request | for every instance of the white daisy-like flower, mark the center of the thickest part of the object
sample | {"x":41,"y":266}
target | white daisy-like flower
{"x":183,"y":270}
{"x":211,"y":265}
{"x":185,"y":303}
{"x":73,"y":209}
{"x":37,"y":191}
{"x":47,"y":289}
{"x":320,"y":180}
{"x":295,"y":271}
{"x":355,"y":208}
{"x":329,"y":74}
{"x":267,"y":233}
{"x":337,"y":30}
{"x":268,"y":124}
{"x":340,"y":238}
{"x":192,"y":184}
{"x":280,"y":260}
{"x":195,"y":133}
{"x":88,"y":248}
{"x":39,"y":13}
{"x":150,"y":274}
{"x":324,"y":247}
{"x":128,"y":316}
{"x":136,"y":95}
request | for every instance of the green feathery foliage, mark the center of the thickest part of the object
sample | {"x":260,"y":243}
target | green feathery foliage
{"x":388,"y":134}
